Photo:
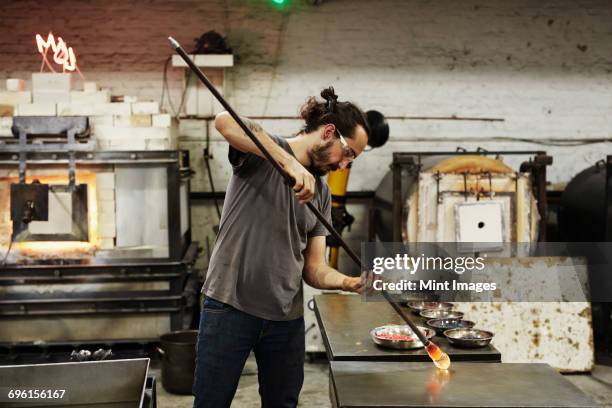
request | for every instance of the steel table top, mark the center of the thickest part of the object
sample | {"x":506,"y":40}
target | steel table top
{"x":345,"y":322}
{"x":397,"y":384}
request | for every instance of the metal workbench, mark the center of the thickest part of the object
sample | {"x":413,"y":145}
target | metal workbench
{"x":345,"y":322}
{"x":395,"y":384}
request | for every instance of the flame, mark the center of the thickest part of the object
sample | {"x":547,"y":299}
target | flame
{"x":62,"y":54}
{"x":52,"y":249}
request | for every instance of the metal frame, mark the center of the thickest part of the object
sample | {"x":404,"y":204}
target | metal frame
{"x":176,"y":269}
{"x":411,"y":162}
{"x":80,"y":226}
{"x":177,"y":162}
{"x":100,"y":303}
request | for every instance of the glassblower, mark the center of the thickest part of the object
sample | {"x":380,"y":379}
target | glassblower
{"x":439,"y":357}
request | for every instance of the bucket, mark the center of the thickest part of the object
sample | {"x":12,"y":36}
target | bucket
{"x":178,"y":360}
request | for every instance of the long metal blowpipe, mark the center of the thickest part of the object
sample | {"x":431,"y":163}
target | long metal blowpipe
{"x":437,"y":355}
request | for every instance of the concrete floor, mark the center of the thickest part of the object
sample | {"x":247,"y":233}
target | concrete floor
{"x":598,"y":385}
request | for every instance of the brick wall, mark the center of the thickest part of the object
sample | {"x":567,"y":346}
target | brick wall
{"x":543,"y":68}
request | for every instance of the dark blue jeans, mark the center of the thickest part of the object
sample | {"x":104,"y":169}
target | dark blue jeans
{"x":226,"y":339}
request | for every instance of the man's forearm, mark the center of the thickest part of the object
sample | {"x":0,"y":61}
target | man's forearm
{"x":278,"y":153}
{"x":326,"y":277}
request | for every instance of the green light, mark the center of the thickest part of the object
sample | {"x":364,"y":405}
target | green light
{"x":278,"y":1}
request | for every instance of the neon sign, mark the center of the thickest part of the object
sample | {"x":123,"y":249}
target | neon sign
{"x":63,"y":55}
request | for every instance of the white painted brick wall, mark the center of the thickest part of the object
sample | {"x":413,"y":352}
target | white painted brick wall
{"x":545,"y":68}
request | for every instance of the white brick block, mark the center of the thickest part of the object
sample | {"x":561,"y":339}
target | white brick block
{"x":57,"y":82}
{"x":145,"y":108}
{"x":205,"y":102}
{"x":15,"y":84}
{"x":6,"y":122}
{"x":107,"y":229}
{"x":90,"y":97}
{"x":106,"y":207}
{"x":94,"y":109}
{"x":192,"y":128}
{"x":90,"y":86}
{"x":36,"y":109}
{"x":106,"y":194}
{"x":15,"y":98}
{"x":132,"y":121}
{"x":106,"y":218}
{"x":122,"y":144}
{"x":191,"y":99}
{"x":162,"y":120}
{"x":160,"y":144}
{"x":130,"y":99}
{"x":51,"y":96}
{"x":132,"y":133}
{"x":95,"y":121}
{"x":107,"y":243}
{"x":105,"y":181}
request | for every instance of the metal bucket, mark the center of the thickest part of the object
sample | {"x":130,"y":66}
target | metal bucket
{"x":178,"y":360}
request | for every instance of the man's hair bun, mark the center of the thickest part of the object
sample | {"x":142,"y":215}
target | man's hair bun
{"x":330,"y":96}
{"x":344,"y":115}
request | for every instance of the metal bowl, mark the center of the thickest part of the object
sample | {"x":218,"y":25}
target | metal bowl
{"x":420,"y":306}
{"x":441,"y":314}
{"x":378,"y":334}
{"x":441,"y":325}
{"x":470,"y":338}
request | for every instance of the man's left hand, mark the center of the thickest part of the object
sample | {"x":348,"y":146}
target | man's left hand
{"x":350,"y":284}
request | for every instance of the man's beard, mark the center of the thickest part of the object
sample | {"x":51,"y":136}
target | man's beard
{"x":320,"y":154}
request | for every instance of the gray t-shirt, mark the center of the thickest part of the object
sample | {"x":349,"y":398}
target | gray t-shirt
{"x":256,"y":265}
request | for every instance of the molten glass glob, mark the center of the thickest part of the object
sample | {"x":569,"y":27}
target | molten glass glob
{"x":440,"y":358}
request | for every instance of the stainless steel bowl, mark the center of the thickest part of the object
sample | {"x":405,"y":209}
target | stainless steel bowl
{"x":441,"y":314}
{"x":420,"y":306}
{"x":441,"y":325}
{"x":470,"y":338}
{"x":378,"y":333}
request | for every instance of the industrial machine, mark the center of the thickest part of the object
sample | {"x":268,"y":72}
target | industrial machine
{"x":96,"y":243}
{"x":493,"y":199}
{"x":585,"y":215}
{"x":432,"y":197}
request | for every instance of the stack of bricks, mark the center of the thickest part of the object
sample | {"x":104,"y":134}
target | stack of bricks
{"x":127,"y":125}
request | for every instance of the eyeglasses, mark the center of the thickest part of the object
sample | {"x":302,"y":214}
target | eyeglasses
{"x":347,"y":151}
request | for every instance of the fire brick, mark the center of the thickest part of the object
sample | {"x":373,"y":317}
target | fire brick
{"x":14,"y":98}
{"x":90,"y":86}
{"x":145,"y":108}
{"x":51,"y":82}
{"x":36,"y":109}
{"x":94,"y":109}
{"x":162,"y":120}
{"x":106,"y":194}
{"x":7,"y":110}
{"x":105,"y":180}
{"x":132,"y":120}
{"x":102,"y":96}
{"x":15,"y":84}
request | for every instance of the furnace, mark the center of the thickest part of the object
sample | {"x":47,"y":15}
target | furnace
{"x":95,"y":221}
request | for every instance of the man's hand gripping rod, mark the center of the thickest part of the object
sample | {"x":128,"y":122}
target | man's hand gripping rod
{"x":180,"y":51}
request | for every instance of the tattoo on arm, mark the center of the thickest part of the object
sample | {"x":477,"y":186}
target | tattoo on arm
{"x":254,"y":126}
